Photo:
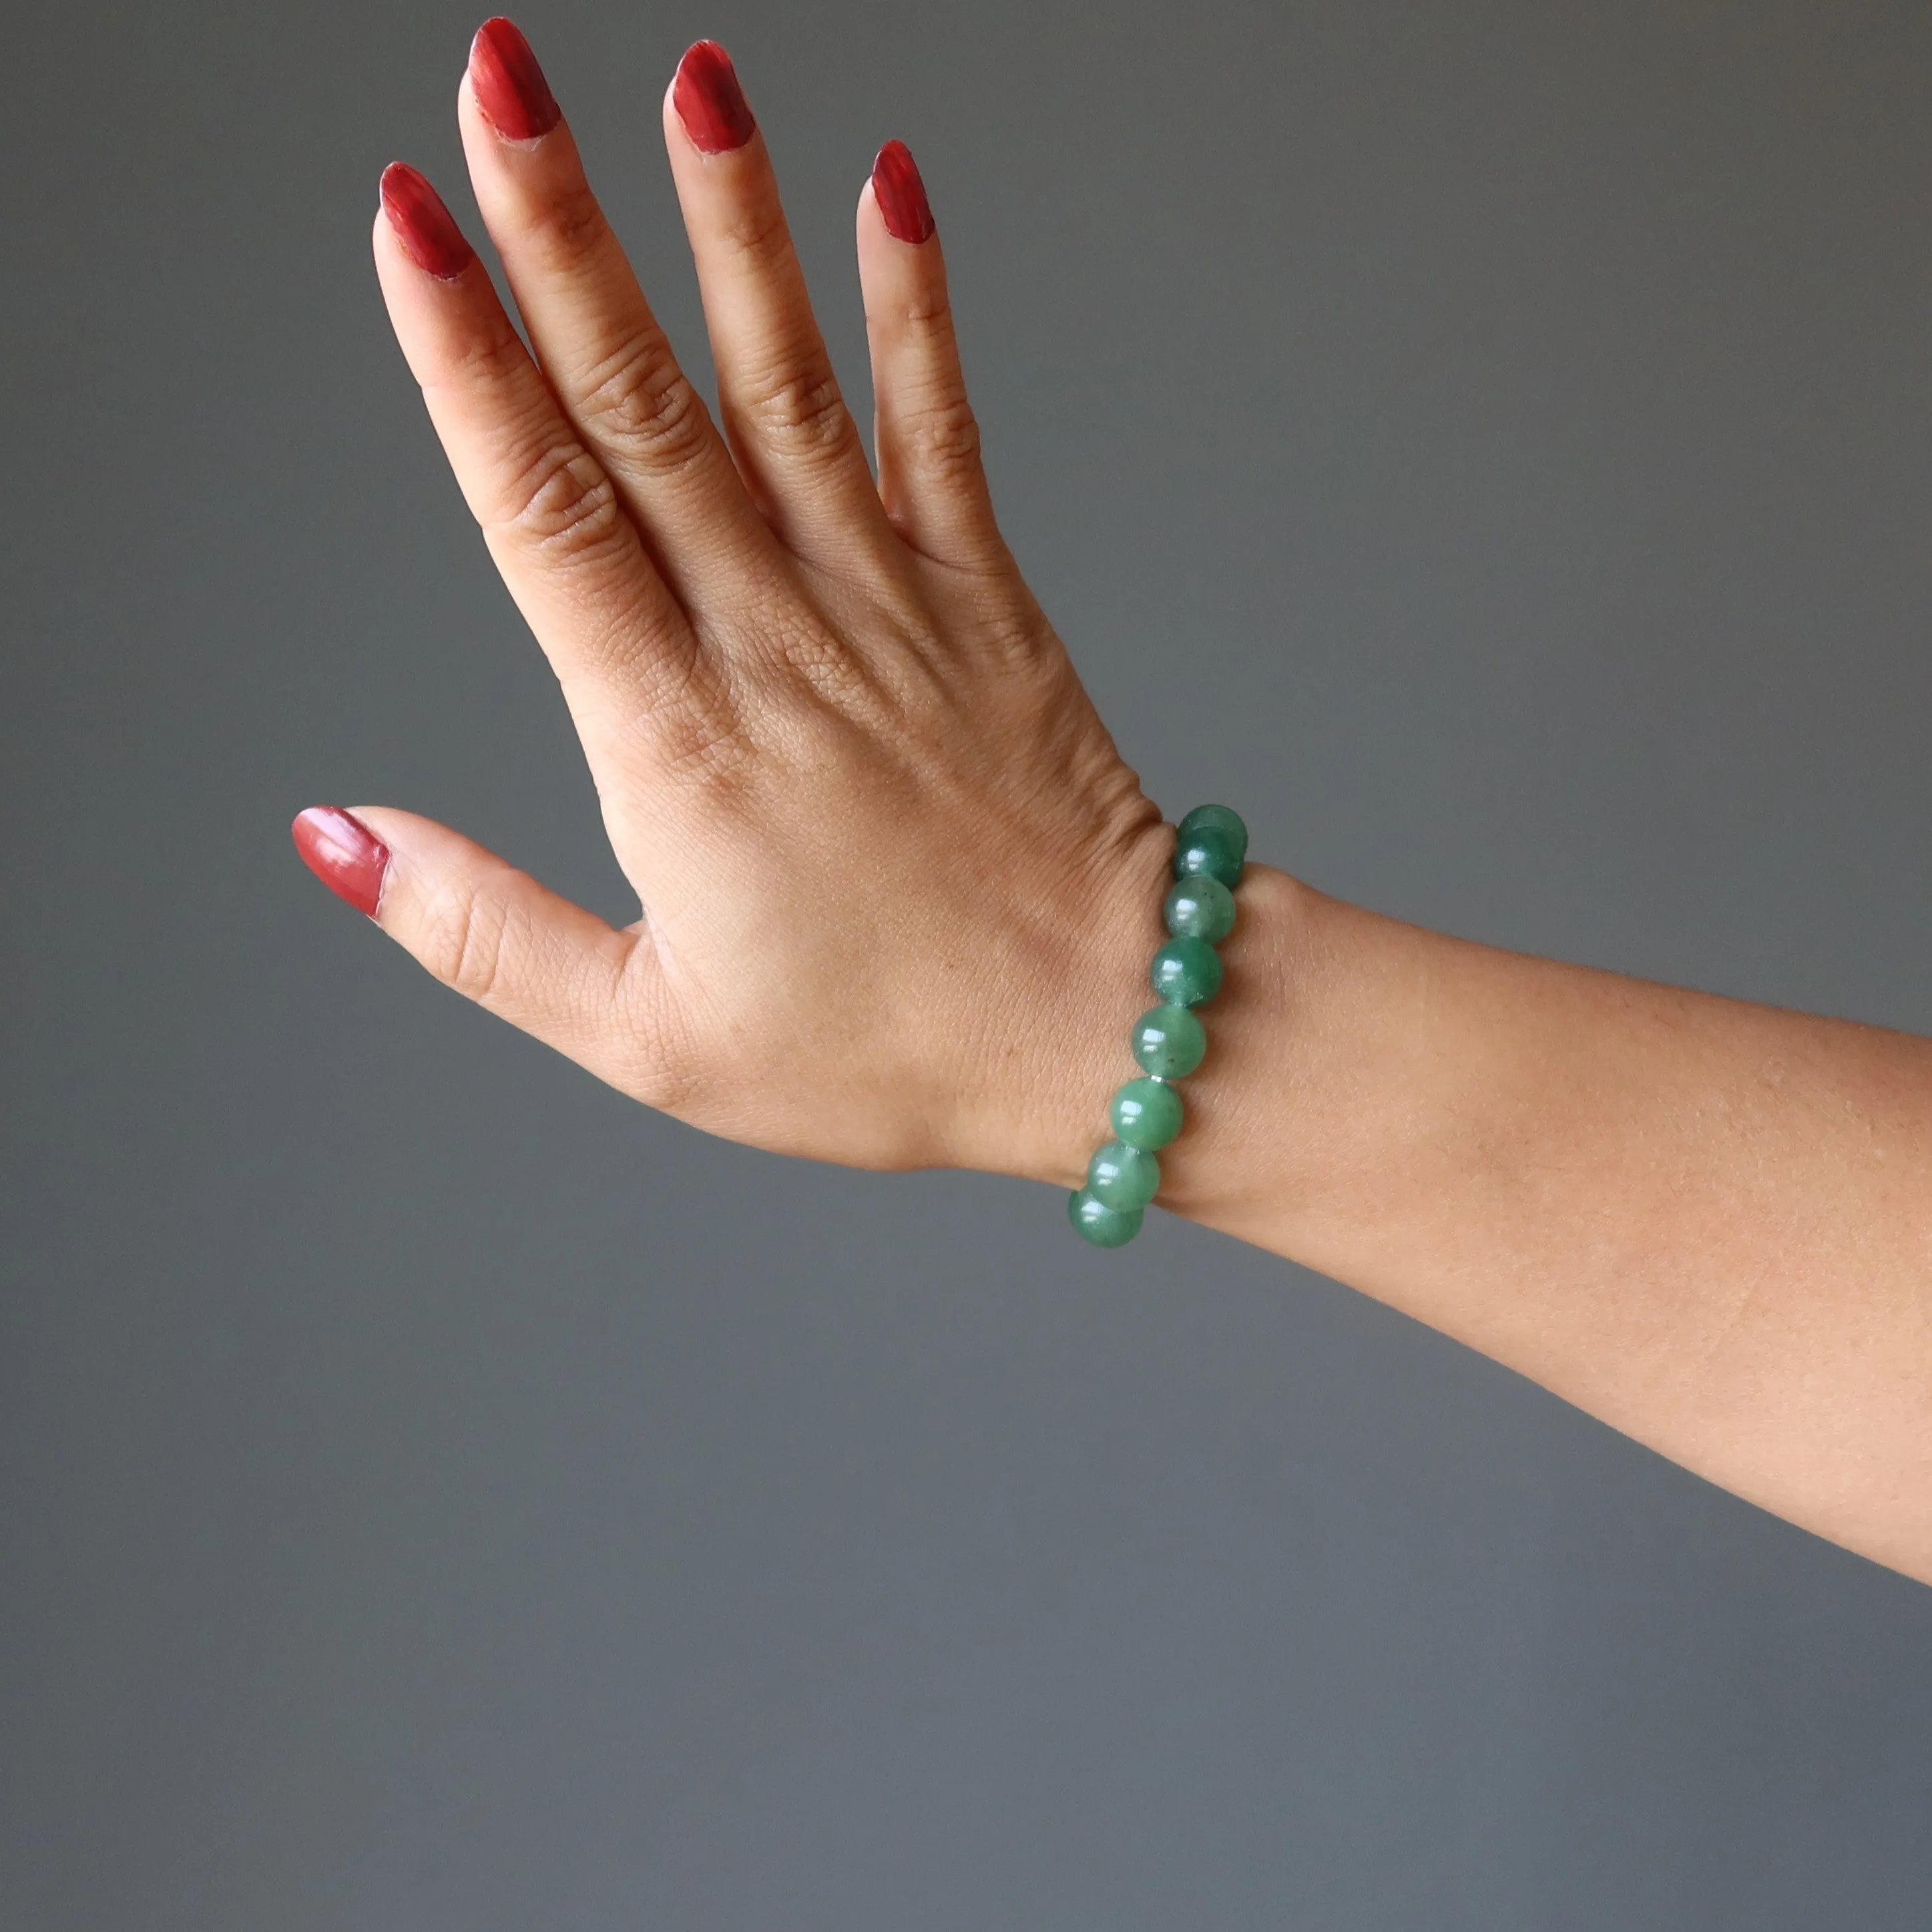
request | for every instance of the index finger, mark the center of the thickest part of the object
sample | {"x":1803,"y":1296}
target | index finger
{"x":567,"y":550}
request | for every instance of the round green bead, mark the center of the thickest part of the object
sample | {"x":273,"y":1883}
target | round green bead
{"x":1146,"y":1114}
{"x":1186,"y":972}
{"x":1168,"y":1042}
{"x":1220,"y":818}
{"x":1200,"y":907}
{"x":1208,"y":852}
{"x":1094,"y":1221}
{"x":1124,"y":1177}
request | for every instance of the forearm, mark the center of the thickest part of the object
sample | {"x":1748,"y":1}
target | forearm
{"x":1708,"y":1223}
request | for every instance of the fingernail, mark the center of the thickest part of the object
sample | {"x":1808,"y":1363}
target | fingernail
{"x":709,"y":101}
{"x":429,"y":235}
{"x":344,"y":854}
{"x":509,"y":86}
{"x":901,"y":194}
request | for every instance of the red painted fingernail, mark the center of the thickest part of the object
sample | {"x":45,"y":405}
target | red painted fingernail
{"x":709,"y":101}
{"x":430,"y":236}
{"x":510,"y":87}
{"x":901,"y":194}
{"x":344,"y":854}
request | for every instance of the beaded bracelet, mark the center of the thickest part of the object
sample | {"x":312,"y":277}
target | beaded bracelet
{"x":1168,"y":1041}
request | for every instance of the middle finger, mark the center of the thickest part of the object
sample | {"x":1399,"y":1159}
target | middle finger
{"x":594,"y":334}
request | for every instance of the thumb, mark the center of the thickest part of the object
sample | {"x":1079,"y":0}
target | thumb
{"x":475,"y":922}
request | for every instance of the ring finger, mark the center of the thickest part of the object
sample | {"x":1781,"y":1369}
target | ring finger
{"x":789,"y":427}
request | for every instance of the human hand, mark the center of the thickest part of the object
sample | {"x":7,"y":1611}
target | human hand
{"x":899,"y":887}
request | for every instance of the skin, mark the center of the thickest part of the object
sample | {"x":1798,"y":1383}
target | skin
{"x":900,"y":888}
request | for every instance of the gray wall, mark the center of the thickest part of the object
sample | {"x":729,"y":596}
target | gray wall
{"x":1487,"y":442}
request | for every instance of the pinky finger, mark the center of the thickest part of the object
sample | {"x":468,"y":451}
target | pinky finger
{"x":494,"y":934}
{"x":930,"y":474}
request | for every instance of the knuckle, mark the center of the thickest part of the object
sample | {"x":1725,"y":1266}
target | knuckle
{"x":825,"y":661}
{"x":562,"y":506}
{"x":662,"y":1065}
{"x":802,"y":659}
{"x":756,"y":232}
{"x":946,"y":435}
{"x":688,"y":728}
{"x":640,"y":405}
{"x":1014,"y":639}
{"x":800,"y":411}
{"x":495,"y":360}
{"x":928,"y":311}
{"x":566,"y":223}
{"x":625,"y":646}
{"x":464,"y":940}
{"x":701,"y":744}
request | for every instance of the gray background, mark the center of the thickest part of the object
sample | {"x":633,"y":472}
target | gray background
{"x":1488,"y":443}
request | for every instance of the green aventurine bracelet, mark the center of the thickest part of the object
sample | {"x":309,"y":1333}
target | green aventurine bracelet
{"x":1168,"y":1041}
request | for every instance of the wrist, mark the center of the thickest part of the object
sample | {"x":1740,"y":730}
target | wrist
{"x":1231,"y":1150}
{"x":1046,"y":1126}
{"x":1035,"y":1092}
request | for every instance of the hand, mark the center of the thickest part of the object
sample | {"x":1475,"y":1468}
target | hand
{"x":900,"y":890}
{"x":899,"y":887}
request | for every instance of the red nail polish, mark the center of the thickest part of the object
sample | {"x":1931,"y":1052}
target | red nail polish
{"x":901,"y":194}
{"x":709,"y":101}
{"x":344,"y":854}
{"x":430,"y":236}
{"x":510,"y":87}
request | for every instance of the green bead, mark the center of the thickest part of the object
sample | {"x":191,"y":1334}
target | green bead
{"x":1126,"y":1178}
{"x":1094,"y":1221}
{"x":1186,"y":972}
{"x":1220,"y":818}
{"x":1208,"y":852}
{"x":1146,"y":1114}
{"x":1168,"y":1042}
{"x":1200,"y":907}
